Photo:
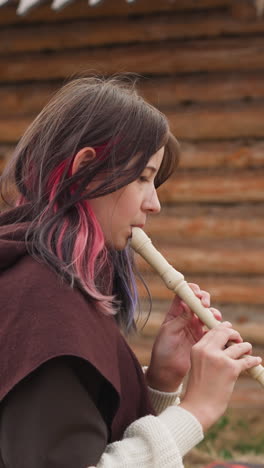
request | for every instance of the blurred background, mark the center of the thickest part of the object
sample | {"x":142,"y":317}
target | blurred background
{"x":201,"y":62}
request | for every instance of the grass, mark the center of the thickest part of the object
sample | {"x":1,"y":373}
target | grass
{"x":238,"y":435}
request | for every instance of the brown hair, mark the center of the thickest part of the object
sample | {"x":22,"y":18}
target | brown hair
{"x":108,"y":115}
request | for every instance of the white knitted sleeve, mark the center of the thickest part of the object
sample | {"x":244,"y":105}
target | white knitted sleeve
{"x":161,"y":400}
{"x":155,"y":441}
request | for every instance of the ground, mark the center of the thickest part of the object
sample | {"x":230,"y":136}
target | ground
{"x":238,"y":435}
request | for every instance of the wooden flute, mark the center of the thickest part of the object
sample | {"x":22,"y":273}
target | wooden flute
{"x":175,"y":281}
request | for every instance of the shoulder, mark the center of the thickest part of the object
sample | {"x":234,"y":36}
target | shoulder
{"x":38,"y":299}
{"x":30,"y":276}
{"x":43,"y":317}
{"x":32,"y":292}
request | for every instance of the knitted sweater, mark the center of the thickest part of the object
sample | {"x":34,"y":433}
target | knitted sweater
{"x":155,"y":441}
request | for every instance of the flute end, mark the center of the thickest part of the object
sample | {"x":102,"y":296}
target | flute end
{"x":139,"y":239}
{"x":257,"y":373}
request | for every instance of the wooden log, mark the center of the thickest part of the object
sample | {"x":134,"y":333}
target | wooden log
{"x":217,"y":87}
{"x":217,"y":226}
{"x":165,"y":93}
{"x":239,"y":290}
{"x":245,"y":10}
{"x":207,"y":122}
{"x":2,"y":165}
{"x":236,"y":154}
{"x":239,"y":186}
{"x":211,"y":122}
{"x":171,"y":57}
{"x":233,"y":258}
{"x":5,"y":152}
{"x":78,"y":9}
{"x":26,"y":99}
{"x":124,"y":30}
{"x":11,"y":131}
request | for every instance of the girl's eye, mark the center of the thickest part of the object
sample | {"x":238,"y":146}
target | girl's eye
{"x":143,"y":179}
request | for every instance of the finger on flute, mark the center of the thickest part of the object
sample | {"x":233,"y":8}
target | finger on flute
{"x":175,"y":281}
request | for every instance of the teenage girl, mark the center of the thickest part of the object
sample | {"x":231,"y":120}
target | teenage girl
{"x":72,"y":392}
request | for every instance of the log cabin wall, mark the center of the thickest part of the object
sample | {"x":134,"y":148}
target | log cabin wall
{"x":202,"y":63}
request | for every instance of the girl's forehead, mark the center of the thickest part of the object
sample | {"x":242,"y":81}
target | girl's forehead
{"x":156,"y":159}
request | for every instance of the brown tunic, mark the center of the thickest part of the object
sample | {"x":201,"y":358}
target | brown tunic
{"x":42,"y":319}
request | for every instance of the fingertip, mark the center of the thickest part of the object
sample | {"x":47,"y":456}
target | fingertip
{"x":205,"y":299}
{"x":248,"y":344}
{"x":205,"y":302}
{"x":227,"y":324}
{"x":216,"y":313}
{"x":196,"y":289}
{"x":248,"y":348}
{"x":252,"y":361}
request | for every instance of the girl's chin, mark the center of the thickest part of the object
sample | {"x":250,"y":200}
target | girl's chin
{"x":119,"y":244}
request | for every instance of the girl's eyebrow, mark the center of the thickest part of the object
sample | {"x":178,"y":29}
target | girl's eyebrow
{"x":152,"y":168}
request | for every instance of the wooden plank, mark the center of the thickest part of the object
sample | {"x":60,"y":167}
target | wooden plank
{"x":165,"y":93}
{"x":238,"y":290}
{"x":212,"y":225}
{"x":226,"y":154}
{"x":168,"y":91}
{"x":124,"y":30}
{"x":244,"y":9}
{"x":5,"y":152}
{"x":172,"y":57}
{"x":238,"y":186}
{"x":29,"y":98}
{"x":216,"y":121}
{"x":2,"y":165}
{"x":199,"y":122}
{"x":236,"y":258}
{"x":79,"y":9}
{"x":11,"y":131}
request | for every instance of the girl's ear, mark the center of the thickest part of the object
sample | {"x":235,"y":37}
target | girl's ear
{"x":84,"y":156}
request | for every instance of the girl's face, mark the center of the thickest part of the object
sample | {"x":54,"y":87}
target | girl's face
{"x":119,"y":211}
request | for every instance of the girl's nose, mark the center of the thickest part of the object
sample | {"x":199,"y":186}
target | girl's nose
{"x":152,"y":203}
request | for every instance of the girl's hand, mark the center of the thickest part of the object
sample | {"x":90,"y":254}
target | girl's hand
{"x":180,"y":330}
{"x":215,"y":369}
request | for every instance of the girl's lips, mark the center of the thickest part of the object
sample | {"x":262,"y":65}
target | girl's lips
{"x":135,"y":225}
